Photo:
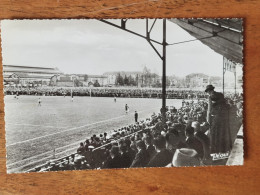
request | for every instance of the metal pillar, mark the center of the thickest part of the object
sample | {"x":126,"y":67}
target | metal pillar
{"x":162,"y":57}
{"x":164,"y":73}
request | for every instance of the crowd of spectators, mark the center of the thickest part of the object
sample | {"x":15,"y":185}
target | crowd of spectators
{"x":182,"y":141}
{"x":106,"y":92}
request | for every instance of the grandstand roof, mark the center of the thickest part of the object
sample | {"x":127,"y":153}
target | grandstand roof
{"x":30,"y":69}
{"x":28,"y":76}
{"x":224,"y":36}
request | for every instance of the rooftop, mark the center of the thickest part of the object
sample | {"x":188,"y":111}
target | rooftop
{"x":31,"y":69}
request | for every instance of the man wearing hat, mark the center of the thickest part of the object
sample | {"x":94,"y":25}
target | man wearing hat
{"x":218,"y":118}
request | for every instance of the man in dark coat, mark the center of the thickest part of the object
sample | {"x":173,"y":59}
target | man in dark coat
{"x":126,"y":158}
{"x":142,"y":156}
{"x":130,"y":151}
{"x":136,"y":117}
{"x":218,"y":118}
{"x":162,"y":157}
{"x":115,"y":160}
{"x":193,"y":142}
{"x":149,"y":146}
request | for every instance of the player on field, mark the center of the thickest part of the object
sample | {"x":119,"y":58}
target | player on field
{"x":126,"y":108}
{"x":71,"y":98}
{"x":115,"y":98}
{"x":39,"y":102}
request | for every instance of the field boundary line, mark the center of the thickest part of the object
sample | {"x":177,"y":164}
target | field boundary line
{"x":17,"y":124}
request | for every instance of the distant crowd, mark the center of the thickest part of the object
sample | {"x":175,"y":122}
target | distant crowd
{"x":182,"y":141}
{"x":106,"y":92}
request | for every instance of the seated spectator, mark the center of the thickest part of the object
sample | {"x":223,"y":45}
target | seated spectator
{"x":172,"y":141}
{"x":126,"y":158}
{"x":202,"y":138}
{"x":130,"y":151}
{"x":132,"y":145}
{"x":193,"y":142}
{"x":142,"y":156}
{"x":87,"y":143}
{"x":162,"y":157}
{"x":81,"y":149}
{"x":185,"y":157}
{"x":89,"y":156}
{"x":149,"y":146}
{"x":159,"y":126}
{"x":115,"y":160}
{"x":77,"y":161}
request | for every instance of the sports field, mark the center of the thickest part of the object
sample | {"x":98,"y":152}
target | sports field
{"x":33,"y":132}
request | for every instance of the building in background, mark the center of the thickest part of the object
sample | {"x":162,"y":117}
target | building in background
{"x":143,"y":78}
{"x":122,"y":77}
{"x":78,"y":80}
{"x":216,"y":81}
{"x":28,"y":75}
{"x":197,"y":80}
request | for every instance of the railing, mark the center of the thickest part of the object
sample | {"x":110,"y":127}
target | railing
{"x":97,"y":148}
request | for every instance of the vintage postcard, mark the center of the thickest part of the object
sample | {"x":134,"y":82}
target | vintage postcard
{"x":125,"y":93}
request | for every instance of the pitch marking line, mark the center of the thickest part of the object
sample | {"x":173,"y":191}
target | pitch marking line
{"x":17,"y":124}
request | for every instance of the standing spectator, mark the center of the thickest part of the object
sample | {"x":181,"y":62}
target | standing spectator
{"x":218,"y":118}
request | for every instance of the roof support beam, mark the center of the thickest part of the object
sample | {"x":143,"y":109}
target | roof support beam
{"x":217,"y":43}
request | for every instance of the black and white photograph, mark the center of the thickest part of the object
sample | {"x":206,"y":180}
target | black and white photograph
{"x":122,"y":93}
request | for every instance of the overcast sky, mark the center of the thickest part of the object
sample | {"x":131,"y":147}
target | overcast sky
{"x":93,"y":47}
